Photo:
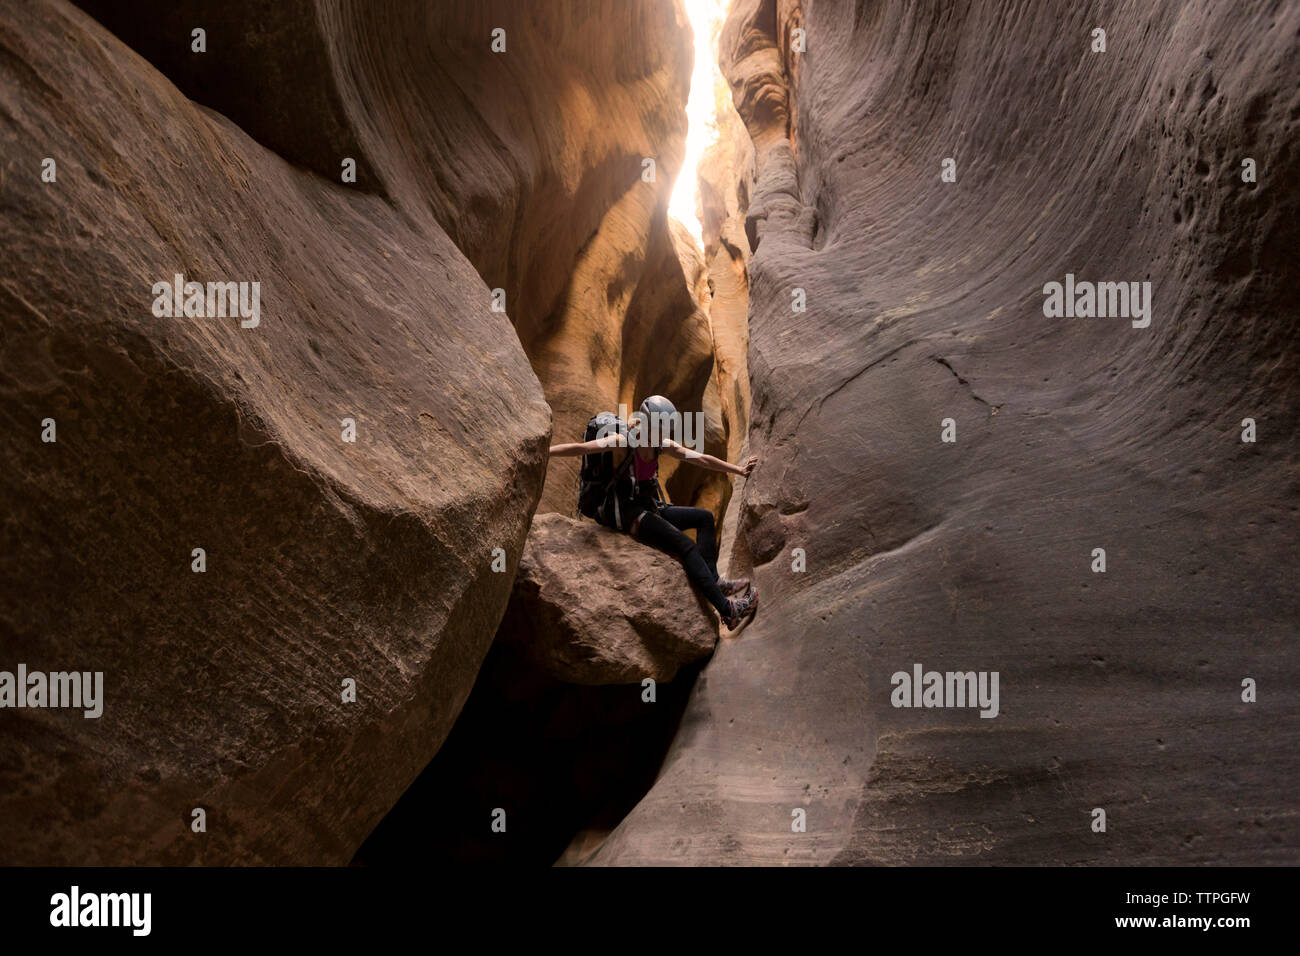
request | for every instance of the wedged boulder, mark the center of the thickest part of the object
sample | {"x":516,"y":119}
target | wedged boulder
{"x":592,"y":606}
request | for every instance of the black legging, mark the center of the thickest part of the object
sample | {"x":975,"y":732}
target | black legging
{"x":699,"y":557}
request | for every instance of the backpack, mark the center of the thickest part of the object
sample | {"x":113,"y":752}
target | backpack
{"x":603,"y":486}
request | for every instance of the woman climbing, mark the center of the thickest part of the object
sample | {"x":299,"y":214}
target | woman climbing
{"x":638,"y":507}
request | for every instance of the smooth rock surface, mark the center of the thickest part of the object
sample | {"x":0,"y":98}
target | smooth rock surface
{"x":725,"y":179}
{"x":325,"y":560}
{"x":1119,"y":690}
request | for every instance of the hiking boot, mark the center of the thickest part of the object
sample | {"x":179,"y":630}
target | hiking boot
{"x":729,"y":587}
{"x":742,"y":609}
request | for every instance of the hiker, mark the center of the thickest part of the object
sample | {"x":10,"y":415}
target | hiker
{"x":627,"y":497}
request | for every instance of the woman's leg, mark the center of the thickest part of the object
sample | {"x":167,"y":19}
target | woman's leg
{"x":702,"y":521}
{"x":658,"y":533}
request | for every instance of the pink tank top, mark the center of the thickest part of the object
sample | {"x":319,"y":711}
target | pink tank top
{"x":644,"y":470}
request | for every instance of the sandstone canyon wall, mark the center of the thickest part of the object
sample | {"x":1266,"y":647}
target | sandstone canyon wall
{"x":1119,"y":690}
{"x":531,"y":158}
{"x":522,"y":171}
{"x":725,"y":177}
{"x":325,"y":559}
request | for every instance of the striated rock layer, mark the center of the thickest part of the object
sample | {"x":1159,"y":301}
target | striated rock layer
{"x":726,"y":177}
{"x":1119,"y":690}
{"x":325,"y":560}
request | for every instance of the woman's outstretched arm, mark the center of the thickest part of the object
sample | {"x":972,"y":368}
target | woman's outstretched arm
{"x":572,"y":449}
{"x":708,"y":461}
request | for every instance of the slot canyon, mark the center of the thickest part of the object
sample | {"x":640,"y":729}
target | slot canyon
{"x":458,"y":214}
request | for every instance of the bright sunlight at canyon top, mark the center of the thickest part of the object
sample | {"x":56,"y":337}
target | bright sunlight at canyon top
{"x":706,"y":18}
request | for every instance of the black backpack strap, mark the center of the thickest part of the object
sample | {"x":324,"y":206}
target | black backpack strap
{"x":610,"y":485}
{"x":619,"y":472}
{"x":659,"y":492}
{"x":656,"y":488}
{"x":627,"y":460}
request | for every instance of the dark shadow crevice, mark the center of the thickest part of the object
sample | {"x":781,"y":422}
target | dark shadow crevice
{"x":565,"y":762}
